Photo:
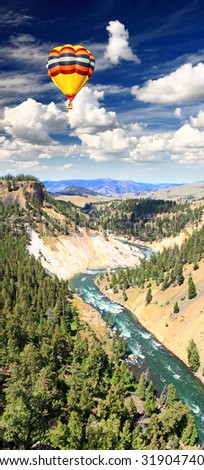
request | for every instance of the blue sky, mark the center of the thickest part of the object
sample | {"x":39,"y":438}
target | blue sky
{"x":141,"y":115}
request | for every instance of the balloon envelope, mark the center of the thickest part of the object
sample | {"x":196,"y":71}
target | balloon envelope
{"x":70,"y":67}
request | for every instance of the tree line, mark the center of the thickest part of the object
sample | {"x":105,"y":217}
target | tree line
{"x":143,"y":219}
{"x":165,"y":268}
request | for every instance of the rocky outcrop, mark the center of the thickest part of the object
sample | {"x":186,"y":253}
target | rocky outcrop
{"x":20,"y":192}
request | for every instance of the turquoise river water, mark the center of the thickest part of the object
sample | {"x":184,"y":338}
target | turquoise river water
{"x":163,"y":367}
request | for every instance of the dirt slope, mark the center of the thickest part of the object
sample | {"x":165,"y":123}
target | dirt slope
{"x":173,"y":330}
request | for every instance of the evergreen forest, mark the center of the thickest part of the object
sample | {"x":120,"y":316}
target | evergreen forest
{"x":165,"y":268}
{"x":143,"y":219}
{"x":60,"y":386}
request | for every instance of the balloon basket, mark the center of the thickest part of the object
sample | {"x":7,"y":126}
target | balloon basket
{"x":70,"y":106}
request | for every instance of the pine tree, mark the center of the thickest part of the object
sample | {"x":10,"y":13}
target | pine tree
{"x":58,"y":436}
{"x":166,"y":283}
{"x":125,"y":297}
{"x":171,"y":395}
{"x":193,"y":356}
{"x":176,"y":308}
{"x":191,"y":288}
{"x":190,"y":434}
{"x":141,"y":389}
{"x":125,"y":437}
{"x":149,"y":296}
{"x":150,"y":402}
{"x":179,"y":274}
{"x":137,"y":440}
{"x":196,"y":266}
{"x":75,"y":428}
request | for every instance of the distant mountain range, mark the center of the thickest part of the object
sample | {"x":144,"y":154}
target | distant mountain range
{"x":104,"y":186}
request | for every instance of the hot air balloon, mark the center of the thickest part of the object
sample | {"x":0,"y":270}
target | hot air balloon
{"x":70,"y":67}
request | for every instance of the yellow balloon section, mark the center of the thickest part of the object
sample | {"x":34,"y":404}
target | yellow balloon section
{"x":70,"y":67}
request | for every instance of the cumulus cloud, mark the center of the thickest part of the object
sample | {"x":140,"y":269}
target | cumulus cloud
{"x":150,"y":147}
{"x":16,"y":152}
{"x":108,"y":145}
{"x":134,"y":128}
{"x":29,"y":128}
{"x":33,"y":122}
{"x":185,"y":145}
{"x":87,"y":116}
{"x":178,"y":112}
{"x":187,"y":140}
{"x":118,"y":44}
{"x":28,"y":142}
{"x":101,"y":135}
{"x":184,"y":85}
{"x":133,"y":143}
{"x":198,"y":121}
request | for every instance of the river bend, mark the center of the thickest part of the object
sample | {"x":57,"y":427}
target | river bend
{"x":163,"y":367}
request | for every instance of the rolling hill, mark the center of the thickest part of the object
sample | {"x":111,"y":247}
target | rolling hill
{"x":180,"y":193}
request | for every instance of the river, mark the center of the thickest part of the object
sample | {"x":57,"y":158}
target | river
{"x":163,"y":367}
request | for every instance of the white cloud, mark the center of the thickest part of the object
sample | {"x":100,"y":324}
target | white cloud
{"x":87,"y":116}
{"x":28,"y":143}
{"x":19,"y":153}
{"x":117,"y":49}
{"x":186,"y":145}
{"x":198,"y":121}
{"x":29,"y":128}
{"x":108,"y":145}
{"x":111,"y":89}
{"x":9,"y":17}
{"x":178,"y":112}
{"x":189,"y":143}
{"x":151,"y":147}
{"x":18,"y":86}
{"x":25,"y":49}
{"x":26,"y":57}
{"x":182,"y":86}
{"x":101,"y":135}
{"x":194,"y":156}
{"x":66,"y":166}
{"x":118,"y":44}
{"x":21,"y":165}
{"x":105,"y":146}
{"x":32,"y":122}
{"x":45,"y":156}
{"x":134,"y":128}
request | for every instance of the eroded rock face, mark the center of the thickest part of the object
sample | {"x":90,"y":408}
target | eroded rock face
{"x":20,"y":192}
{"x":36,"y":191}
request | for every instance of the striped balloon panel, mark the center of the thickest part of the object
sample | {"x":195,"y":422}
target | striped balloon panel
{"x":70,"y":67}
{"x":69,"y":61}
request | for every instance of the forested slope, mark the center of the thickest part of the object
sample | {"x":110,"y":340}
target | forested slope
{"x":144,"y":219}
{"x":166,"y":293}
{"x":60,"y":386}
